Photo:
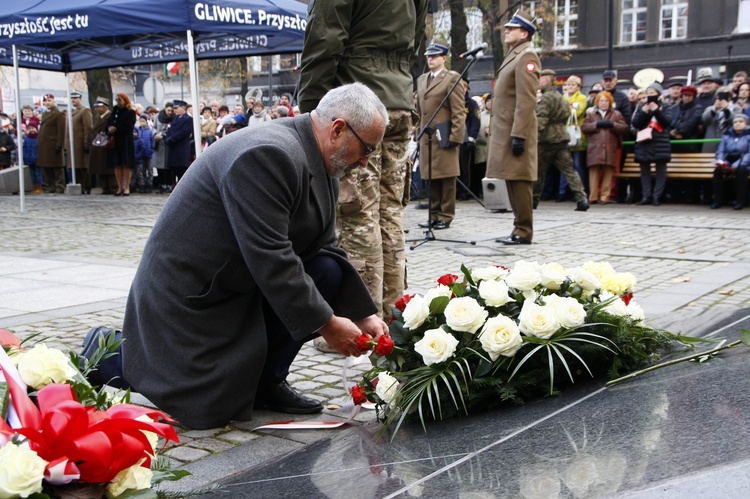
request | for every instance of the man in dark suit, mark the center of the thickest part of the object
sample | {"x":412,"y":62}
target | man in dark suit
{"x":242,"y":267}
{"x":178,"y":138}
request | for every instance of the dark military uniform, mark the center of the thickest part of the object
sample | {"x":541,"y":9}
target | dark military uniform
{"x":50,"y":149}
{"x":552,"y":113}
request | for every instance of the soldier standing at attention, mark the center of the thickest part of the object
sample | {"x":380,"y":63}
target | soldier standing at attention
{"x":512,"y":153}
{"x":552,"y":114}
{"x":432,"y":88}
{"x":81,"y":143}
{"x":376,"y":44}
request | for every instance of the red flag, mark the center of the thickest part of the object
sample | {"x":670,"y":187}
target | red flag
{"x":173,"y":67}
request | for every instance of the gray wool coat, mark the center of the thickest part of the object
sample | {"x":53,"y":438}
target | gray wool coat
{"x":236,"y":230}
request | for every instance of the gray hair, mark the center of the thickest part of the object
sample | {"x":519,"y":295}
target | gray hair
{"x":355,"y":103}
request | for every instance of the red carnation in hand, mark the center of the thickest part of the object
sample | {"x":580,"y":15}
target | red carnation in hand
{"x":403,"y":301}
{"x":384,"y":346}
{"x":447,"y":279}
{"x":364,"y":343}
{"x":359,"y":395}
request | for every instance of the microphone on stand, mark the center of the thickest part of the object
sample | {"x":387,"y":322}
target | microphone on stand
{"x":474,"y":51}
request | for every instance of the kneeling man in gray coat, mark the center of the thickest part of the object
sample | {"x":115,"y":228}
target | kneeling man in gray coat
{"x":242,"y":267}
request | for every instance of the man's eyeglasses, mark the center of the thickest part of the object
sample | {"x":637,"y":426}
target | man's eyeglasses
{"x":369,"y":150}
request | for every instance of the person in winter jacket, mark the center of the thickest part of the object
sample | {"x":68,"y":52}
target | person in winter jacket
{"x":686,"y":120}
{"x":604,"y":129}
{"x":655,"y":149}
{"x":30,"y":131}
{"x":717,"y":119}
{"x":733,"y":158}
{"x":145,"y":172}
{"x":258,"y":115}
{"x":7,"y":144}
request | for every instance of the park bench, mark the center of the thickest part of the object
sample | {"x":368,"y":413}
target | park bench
{"x":684,"y":165}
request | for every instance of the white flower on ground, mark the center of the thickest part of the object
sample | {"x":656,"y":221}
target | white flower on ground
{"x":387,"y":387}
{"x":436,"y":346}
{"x":584,"y":278}
{"x":568,"y":310}
{"x":41,"y":366}
{"x":599,"y":269}
{"x":491,"y":273}
{"x":134,"y":478}
{"x":524,"y":276}
{"x":439,"y":290}
{"x":21,"y":471}
{"x":465,"y":314}
{"x":616,"y":307}
{"x":494,"y":293}
{"x":620,"y":283}
{"x":416,"y":312}
{"x":635,"y":311}
{"x":553,"y":275}
{"x":500,"y":336}
{"x":537,"y":320}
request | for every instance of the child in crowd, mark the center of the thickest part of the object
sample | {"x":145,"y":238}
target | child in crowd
{"x":733,"y":158}
{"x":144,"y":174}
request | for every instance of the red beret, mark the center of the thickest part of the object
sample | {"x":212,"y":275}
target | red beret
{"x":689,"y":89}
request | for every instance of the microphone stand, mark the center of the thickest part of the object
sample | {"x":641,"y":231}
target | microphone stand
{"x":429,"y":235}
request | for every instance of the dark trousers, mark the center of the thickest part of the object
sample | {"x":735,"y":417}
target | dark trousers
{"x":282,"y":348}
{"x":740,"y":183}
{"x":661,"y":180}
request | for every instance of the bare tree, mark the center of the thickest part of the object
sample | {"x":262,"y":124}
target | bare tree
{"x":99,"y":84}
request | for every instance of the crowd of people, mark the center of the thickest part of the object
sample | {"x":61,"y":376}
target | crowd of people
{"x":650,"y":123}
{"x":122,"y":146}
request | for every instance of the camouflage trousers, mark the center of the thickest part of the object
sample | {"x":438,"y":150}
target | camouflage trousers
{"x":369,"y":218}
{"x":559,"y":156}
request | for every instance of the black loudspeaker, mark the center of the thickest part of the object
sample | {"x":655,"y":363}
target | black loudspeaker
{"x":432,"y":7}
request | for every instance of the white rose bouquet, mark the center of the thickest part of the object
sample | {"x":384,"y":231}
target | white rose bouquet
{"x":504,"y":334}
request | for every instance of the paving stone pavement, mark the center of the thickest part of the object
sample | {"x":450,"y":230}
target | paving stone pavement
{"x":66,"y":265}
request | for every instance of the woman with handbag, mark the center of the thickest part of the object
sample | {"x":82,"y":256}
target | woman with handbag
{"x":651,"y":122}
{"x":604,"y":128}
{"x":121,"y":157}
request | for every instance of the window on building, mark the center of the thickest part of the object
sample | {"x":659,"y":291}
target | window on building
{"x":674,"y":19}
{"x":633,"y":26}
{"x":743,"y":20}
{"x":566,"y":23}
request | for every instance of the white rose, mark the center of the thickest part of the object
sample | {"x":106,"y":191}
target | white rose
{"x":530,"y":295}
{"x":553,"y":275}
{"x":525,"y":276}
{"x":416,"y":312}
{"x":134,"y":478}
{"x":465,"y":314}
{"x":584,"y":278}
{"x":616,"y":307}
{"x":440,"y":290}
{"x":41,"y":366}
{"x":599,"y":269}
{"x":21,"y":471}
{"x":501,"y":336}
{"x":491,"y":273}
{"x":568,"y":310}
{"x":620,"y":283}
{"x":537,"y":320}
{"x":436,"y":346}
{"x":635,"y":311}
{"x":494,"y":293}
{"x":387,"y":387}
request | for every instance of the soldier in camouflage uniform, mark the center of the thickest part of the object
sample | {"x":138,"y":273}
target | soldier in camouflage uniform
{"x":374,"y":43}
{"x":552,"y":113}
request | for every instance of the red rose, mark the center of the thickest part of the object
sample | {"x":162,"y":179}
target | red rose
{"x":447,"y":279}
{"x":364,"y":343}
{"x":403,"y":301}
{"x":384,"y":346}
{"x":626,"y":298}
{"x":359,"y":395}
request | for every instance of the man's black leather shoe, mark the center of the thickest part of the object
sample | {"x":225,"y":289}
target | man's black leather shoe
{"x":282,"y":398}
{"x":427,"y":225}
{"x":512,"y":240}
{"x":582,"y":205}
{"x":439,"y":224}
